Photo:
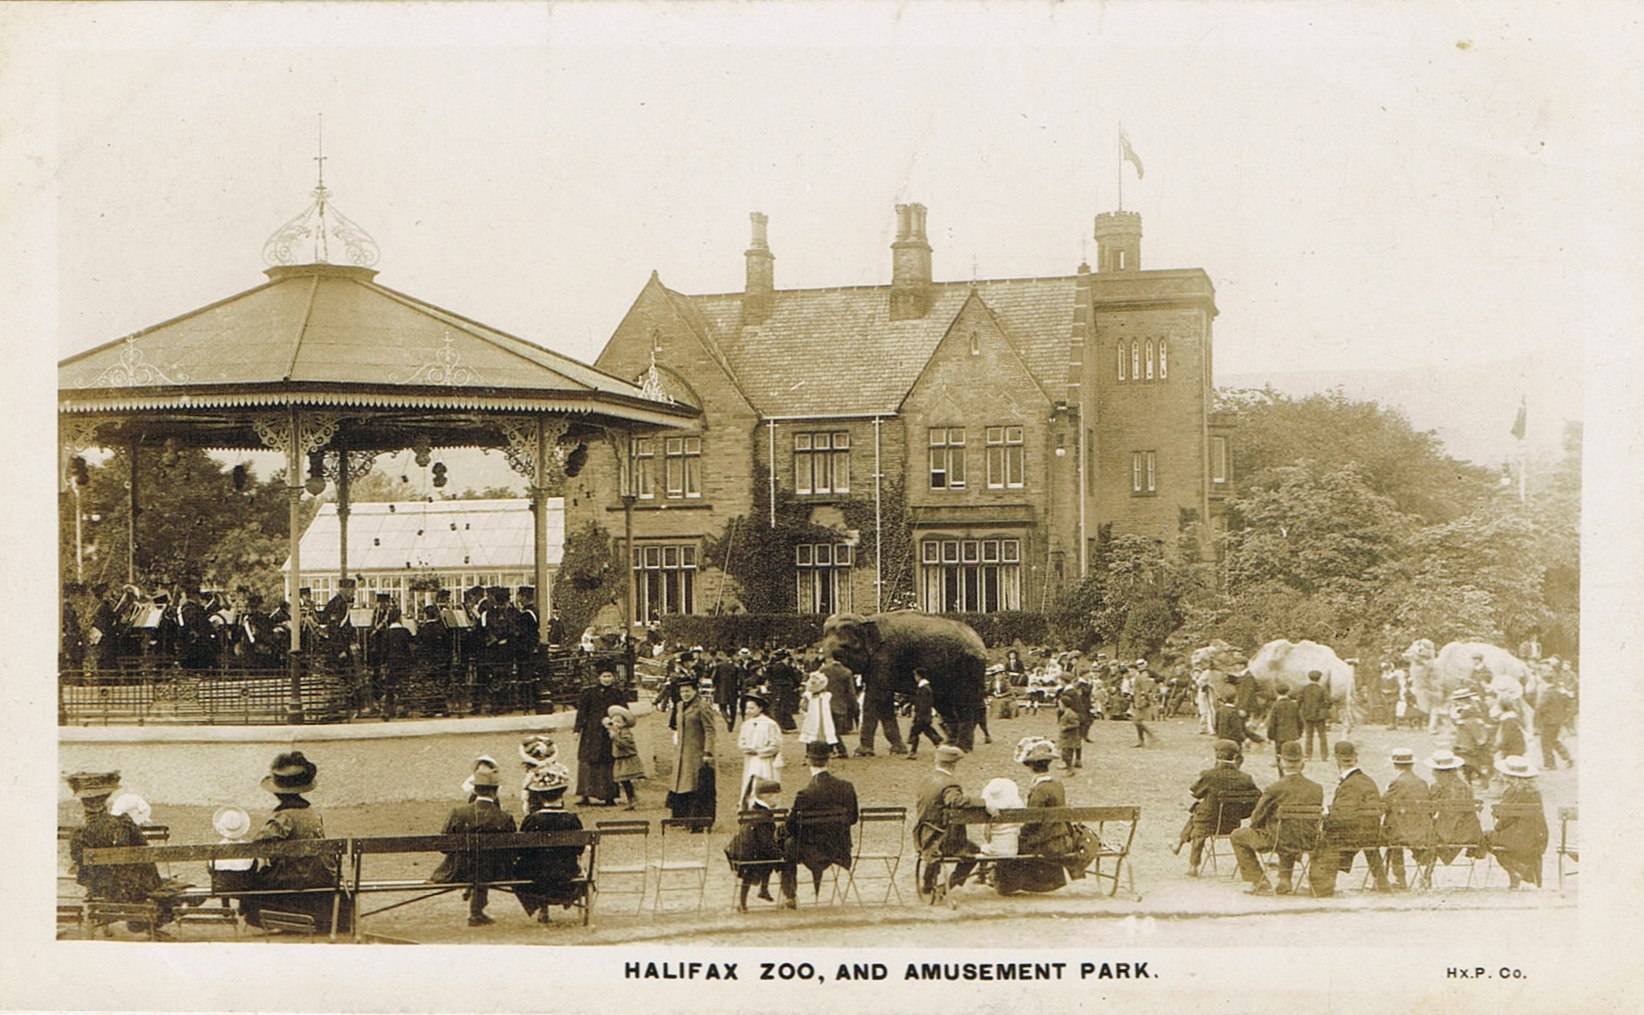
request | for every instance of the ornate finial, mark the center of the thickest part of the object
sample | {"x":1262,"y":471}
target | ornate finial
{"x":318,"y":222}
{"x":651,"y":384}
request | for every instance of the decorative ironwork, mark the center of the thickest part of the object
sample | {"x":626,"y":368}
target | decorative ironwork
{"x":360,"y":464}
{"x":521,"y":434}
{"x":650,"y":383}
{"x":444,"y":366}
{"x":73,"y":437}
{"x":320,"y":222}
{"x":315,"y":431}
{"x":134,"y":370}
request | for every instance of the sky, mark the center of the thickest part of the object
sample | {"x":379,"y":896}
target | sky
{"x":1370,"y":188}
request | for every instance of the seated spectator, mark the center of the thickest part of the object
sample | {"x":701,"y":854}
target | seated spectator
{"x":1519,"y":841}
{"x":233,"y":827}
{"x":1408,"y":824}
{"x":1001,"y":838}
{"x":1040,"y":838}
{"x":932,"y":834}
{"x":1456,"y":825}
{"x":756,"y":844}
{"x":290,"y":777}
{"x":1223,"y":796}
{"x":819,"y":846}
{"x":1265,"y":831}
{"x":125,"y":882}
{"x":552,"y":870}
{"x":482,"y":815}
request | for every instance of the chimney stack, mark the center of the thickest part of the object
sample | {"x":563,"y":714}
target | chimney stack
{"x":761,"y":277}
{"x":910,"y":295}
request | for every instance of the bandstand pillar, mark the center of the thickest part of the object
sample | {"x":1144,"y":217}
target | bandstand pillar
{"x":131,"y":514}
{"x":294,"y":498}
{"x":539,"y":506}
{"x":343,"y":466}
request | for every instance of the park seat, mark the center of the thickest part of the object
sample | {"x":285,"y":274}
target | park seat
{"x":1499,"y":812}
{"x":584,"y":887}
{"x":274,"y":921}
{"x":101,"y":914}
{"x":71,"y":918}
{"x":799,"y":830}
{"x":217,"y":915}
{"x":881,"y":837}
{"x":616,"y":856}
{"x":677,"y":854}
{"x":1445,"y":812}
{"x":1294,"y":823}
{"x":1569,"y":850}
{"x":1115,"y":831}
{"x":746,"y":820}
{"x":1214,"y":852}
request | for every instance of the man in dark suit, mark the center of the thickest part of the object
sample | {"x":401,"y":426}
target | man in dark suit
{"x":335,"y":612}
{"x":483,"y":815}
{"x":1352,"y":826}
{"x":1245,"y":692}
{"x":823,"y":843}
{"x":1265,"y":832}
{"x":924,"y":700}
{"x":1314,"y":701}
{"x":1409,"y":821}
{"x":1223,"y":796}
{"x":727,"y":677}
{"x":1230,"y":725}
{"x":1284,"y":722}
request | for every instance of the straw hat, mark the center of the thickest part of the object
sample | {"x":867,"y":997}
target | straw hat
{"x":534,"y":750}
{"x":1402,"y":756}
{"x":1444,"y":761}
{"x":231,"y":822}
{"x":1001,"y":794}
{"x":816,"y":683}
{"x":1517,"y":767}
{"x":1034,"y":749}
{"x":947,"y":754}
{"x":618,"y":712}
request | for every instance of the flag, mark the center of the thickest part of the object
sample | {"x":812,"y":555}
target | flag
{"x":1518,"y":422}
{"x":1128,"y":153}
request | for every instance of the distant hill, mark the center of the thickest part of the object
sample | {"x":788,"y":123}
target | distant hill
{"x":1471,"y":406}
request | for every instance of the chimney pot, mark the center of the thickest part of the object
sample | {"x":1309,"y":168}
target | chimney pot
{"x":910,"y":295}
{"x":761,"y":273}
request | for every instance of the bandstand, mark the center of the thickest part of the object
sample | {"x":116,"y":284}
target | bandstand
{"x":330,"y":368}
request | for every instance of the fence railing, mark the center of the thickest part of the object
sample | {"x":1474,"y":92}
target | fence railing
{"x":142,"y":691}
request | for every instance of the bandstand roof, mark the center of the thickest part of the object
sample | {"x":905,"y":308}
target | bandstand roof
{"x":330,"y":337}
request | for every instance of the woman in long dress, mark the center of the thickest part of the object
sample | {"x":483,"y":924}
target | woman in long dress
{"x":692,"y":792}
{"x":760,"y":741}
{"x":1043,"y":838}
{"x":290,"y":777}
{"x":594,"y":757}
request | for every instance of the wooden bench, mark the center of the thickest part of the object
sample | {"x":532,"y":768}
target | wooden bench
{"x":473,"y":844}
{"x":1114,"y":847}
{"x":335,"y":849}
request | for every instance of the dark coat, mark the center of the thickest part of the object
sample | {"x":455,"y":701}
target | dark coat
{"x":931,"y":832}
{"x":1290,"y":791}
{"x":1314,"y":700}
{"x":550,"y":869}
{"x":1522,"y":839}
{"x":596,"y":700}
{"x":923,"y":700}
{"x":727,"y":682}
{"x":397,"y":653}
{"x":126,"y":882}
{"x":1460,"y":827}
{"x":1284,"y":722}
{"x":290,"y":822}
{"x":818,"y":846}
{"x":484,"y":815}
{"x":1244,"y":693}
{"x":1409,"y":820}
{"x":754,"y":844}
{"x":1354,"y":820}
{"x":1053,"y":838}
{"x":1223,"y":790}
{"x":1230,"y":725}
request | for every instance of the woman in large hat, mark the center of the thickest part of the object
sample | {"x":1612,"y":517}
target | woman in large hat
{"x":1052,"y":838}
{"x":760,"y":741}
{"x":550,"y":869}
{"x":289,"y":778}
{"x":126,"y":882}
{"x":692,"y":792}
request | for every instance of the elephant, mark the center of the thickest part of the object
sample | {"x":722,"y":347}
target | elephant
{"x":1288,"y":663}
{"x":885,"y":649}
{"x":1435,"y":674}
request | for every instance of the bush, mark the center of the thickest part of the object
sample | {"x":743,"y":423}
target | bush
{"x":732,"y":631}
{"x":1001,"y":629}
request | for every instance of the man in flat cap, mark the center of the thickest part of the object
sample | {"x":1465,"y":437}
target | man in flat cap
{"x":1223,"y":796}
{"x":932,"y":834}
{"x":1265,"y":831}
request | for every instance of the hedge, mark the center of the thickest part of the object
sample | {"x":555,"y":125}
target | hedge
{"x":795,"y":630}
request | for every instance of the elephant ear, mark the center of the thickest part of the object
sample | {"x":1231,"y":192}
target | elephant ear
{"x":851,"y":627}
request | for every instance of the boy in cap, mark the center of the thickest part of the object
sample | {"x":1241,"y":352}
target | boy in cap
{"x":1409,"y":820}
{"x":932,"y":834}
{"x":484,"y":815}
{"x":1314,"y":704}
{"x":1265,"y":831}
{"x":1353,"y":825}
{"x":924,"y":703}
{"x":1284,"y":722}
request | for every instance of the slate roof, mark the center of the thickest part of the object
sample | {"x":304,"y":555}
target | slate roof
{"x":825,"y":351}
{"x":444,"y":535}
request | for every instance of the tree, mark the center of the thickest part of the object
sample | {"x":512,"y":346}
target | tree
{"x":1409,"y":466}
{"x":761,"y":557}
{"x":591,"y":574}
{"x":1131,"y":598}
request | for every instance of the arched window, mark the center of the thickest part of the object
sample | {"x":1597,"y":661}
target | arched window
{"x":1135,"y":360}
{"x":1149,"y":360}
{"x":1121,"y":361}
{"x":1164,"y":363}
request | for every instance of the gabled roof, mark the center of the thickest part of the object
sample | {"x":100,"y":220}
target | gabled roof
{"x":443,"y":535}
{"x":327,"y":325}
{"x":836,"y":351}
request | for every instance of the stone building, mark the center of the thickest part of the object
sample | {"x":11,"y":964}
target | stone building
{"x":1023,"y":419}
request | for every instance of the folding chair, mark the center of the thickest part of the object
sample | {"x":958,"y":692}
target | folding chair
{"x":1445,"y":813}
{"x":1241,"y":803}
{"x":881,"y":825}
{"x":101,"y":915}
{"x":1568,"y":848}
{"x":207,"y":915}
{"x":681,"y":860}
{"x":1295,"y":823}
{"x":746,"y":820}
{"x":71,"y":919}
{"x":625,"y":864}
{"x":287,"y":923}
{"x":801,"y":828}
{"x":1497,"y":813}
